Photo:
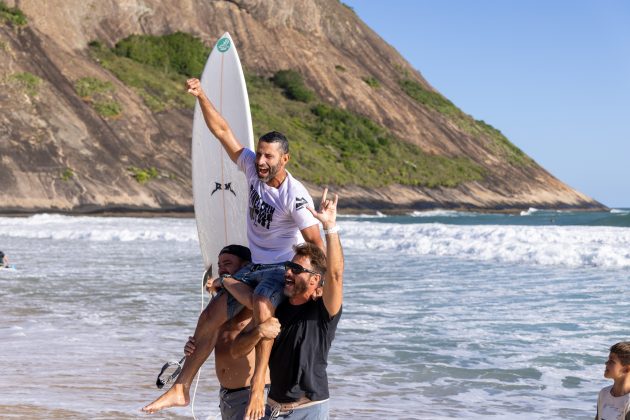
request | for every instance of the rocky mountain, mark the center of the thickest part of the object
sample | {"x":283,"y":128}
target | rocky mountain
{"x":60,"y":152}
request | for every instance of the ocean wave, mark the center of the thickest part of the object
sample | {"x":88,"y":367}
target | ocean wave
{"x":620,"y":211}
{"x":377,"y":215}
{"x":587,"y":246}
{"x":574,"y":246}
{"x":529,"y":211}
{"x":86,"y":228}
{"x":439,"y":213}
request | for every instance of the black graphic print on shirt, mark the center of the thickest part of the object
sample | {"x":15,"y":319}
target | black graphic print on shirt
{"x":300,"y":202}
{"x":260,"y":212}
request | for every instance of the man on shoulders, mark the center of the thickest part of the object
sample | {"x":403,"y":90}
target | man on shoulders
{"x":299,"y":385}
{"x":278,"y":219}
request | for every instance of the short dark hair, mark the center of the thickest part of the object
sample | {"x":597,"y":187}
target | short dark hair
{"x":622,"y":350}
{"x":238,"y":251}
{"x":315,"y":255}
{"x":276,"y":137}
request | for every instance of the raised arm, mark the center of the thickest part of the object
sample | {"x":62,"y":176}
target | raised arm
{"x":215,"y":122}
{"x":311,"y":235}
{"x":333,"y":282}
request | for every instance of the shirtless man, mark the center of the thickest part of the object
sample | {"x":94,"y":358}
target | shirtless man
{"x":234,"y":373}
{"x":278,"y":220}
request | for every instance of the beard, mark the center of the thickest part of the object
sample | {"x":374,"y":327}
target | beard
{"x":299,"y":287}
{"x":272,"y":171}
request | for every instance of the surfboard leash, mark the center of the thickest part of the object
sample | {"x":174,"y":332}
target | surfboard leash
{"x":206,"y":275}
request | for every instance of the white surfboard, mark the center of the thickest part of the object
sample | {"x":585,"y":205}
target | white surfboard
{"x":219,"y":188}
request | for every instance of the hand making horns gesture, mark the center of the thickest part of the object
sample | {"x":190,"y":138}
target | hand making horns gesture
{"x":327,"y":213}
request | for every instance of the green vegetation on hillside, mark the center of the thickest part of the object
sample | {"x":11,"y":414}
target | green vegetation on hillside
{"x":107,"y":108}
{"x":99,"y":94}
{"x":28,"y":82}
{"x":12,"y":15}
{"x":334,"y":146}
{"x":177,"y":53}
{"x":157,"y":83}
{"x":143,"y":175}
{"x":67,"y":174}
{"x":292,"y":84}
{"x":372,"y":82}
{"x":466,"y":123}
{"x":88,"y":86}
{"x":328,"y":145}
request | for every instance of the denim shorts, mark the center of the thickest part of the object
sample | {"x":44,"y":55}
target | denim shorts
{"x":267,"y":280}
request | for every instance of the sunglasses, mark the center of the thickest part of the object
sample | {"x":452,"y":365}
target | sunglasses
{"x":297,"y":268}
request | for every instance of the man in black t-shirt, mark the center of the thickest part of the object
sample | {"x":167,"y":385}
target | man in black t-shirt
{"x":305,"y":326}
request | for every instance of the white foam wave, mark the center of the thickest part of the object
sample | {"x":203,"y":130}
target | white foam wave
{"x":438,"y":213}
{"x":596,"y":246}
{"x":376,"y":215}
{"x":529,"y":211}
{"x":620,"y":211}
{"x":548,"y":245}
{"x":47,"y":226}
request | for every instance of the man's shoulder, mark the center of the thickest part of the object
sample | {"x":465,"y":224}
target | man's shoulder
{"x":297,"y":194}
{"x":295,"y":185}
{"x":288,"y":310}
{"x":247,"y":158}
{"x":312,"y":305}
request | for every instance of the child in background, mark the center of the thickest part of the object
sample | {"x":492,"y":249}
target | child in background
{"x":613,"y":402}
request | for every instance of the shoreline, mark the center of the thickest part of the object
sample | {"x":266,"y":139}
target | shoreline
{"x":188,"y":212}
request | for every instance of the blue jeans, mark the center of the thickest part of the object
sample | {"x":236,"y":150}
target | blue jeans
{"x":267,"y":280}
{"x":312,"y":412}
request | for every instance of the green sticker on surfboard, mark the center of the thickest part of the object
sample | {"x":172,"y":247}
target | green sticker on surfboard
{"x":223,"y":45}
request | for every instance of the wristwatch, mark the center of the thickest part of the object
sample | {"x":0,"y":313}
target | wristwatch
{"x":223,"y":277}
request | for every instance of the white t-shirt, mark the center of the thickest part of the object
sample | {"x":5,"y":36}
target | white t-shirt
{"x":276,"y":215}
{"x":612,"y":408}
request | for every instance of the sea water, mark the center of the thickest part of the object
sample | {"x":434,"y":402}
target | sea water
{"x":446,"y":315}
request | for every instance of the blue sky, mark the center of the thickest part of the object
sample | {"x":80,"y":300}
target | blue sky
{"x":553,"y":76}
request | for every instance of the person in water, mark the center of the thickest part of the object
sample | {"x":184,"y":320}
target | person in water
{"x":278,"y":220}
{"x":4,"y":260}
{"x":613,"y":402}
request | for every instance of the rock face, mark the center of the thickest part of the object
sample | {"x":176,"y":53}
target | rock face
{"x":58,"y":154}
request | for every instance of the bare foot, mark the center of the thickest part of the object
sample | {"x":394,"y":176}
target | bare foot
{"x":177,"y":396}
{"x":256,"y":406}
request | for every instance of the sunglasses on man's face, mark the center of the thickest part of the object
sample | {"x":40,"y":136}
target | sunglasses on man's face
{"x":297,"y":268}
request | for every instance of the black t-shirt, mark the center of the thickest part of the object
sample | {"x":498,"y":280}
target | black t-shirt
{"x":300,"y":352}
